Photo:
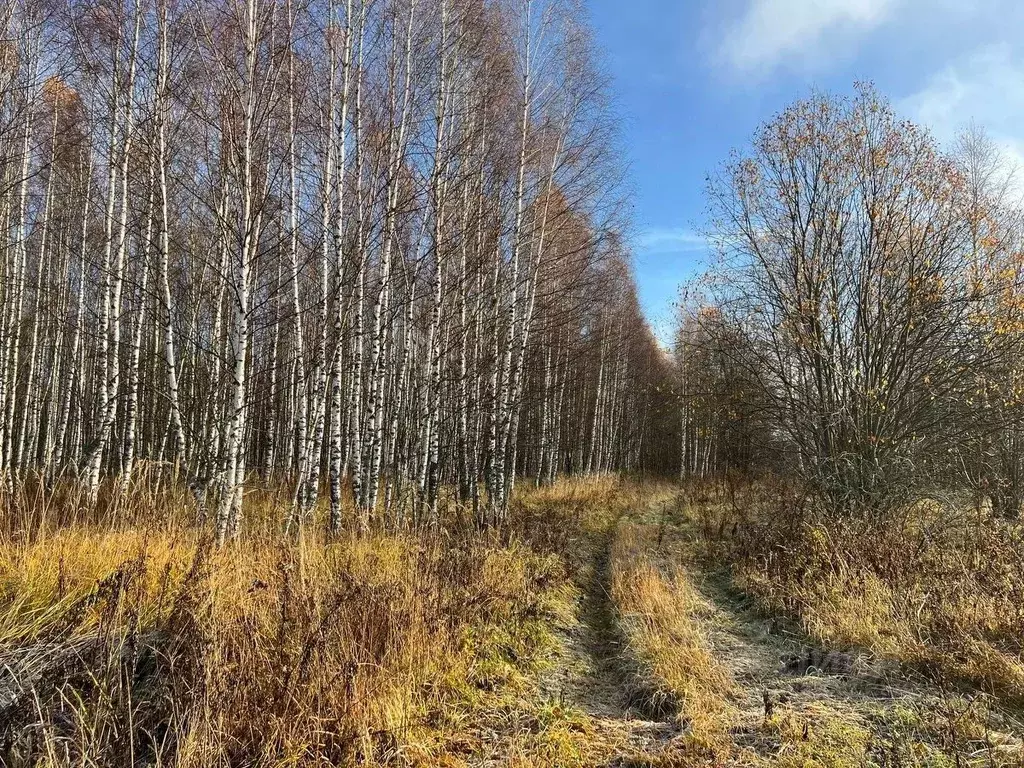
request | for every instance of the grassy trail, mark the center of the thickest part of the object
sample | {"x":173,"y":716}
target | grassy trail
{"x":599,"y":676}
{"x":603,"y":634}
{"x":665,"y":664}
{"x":601,"y":713}
{"x":791,"y":702}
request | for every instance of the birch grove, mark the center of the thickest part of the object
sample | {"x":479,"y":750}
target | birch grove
{"x":368,"y":250}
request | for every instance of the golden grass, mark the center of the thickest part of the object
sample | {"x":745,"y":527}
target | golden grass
{"x":670,"y":625}
{"x":667,"y":622}
{"x":140,"y":643}
{"x":663,"y":617}
{"x":146,"y":643}
{"x":942,"y":590}
{"x":134,"y":640}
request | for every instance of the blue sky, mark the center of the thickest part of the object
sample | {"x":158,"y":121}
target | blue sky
{"x":694,"y":78}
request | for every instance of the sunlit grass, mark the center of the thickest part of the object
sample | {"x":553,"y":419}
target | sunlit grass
{"x":140,"y":640}
{"x":664,"y":619}
{"x":941,"y":590}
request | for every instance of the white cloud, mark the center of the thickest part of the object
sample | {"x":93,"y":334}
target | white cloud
{"x":666,"y":256}
{"x":770,"y":31}
{"x":663,"y":240}
{"x":985,"y":88}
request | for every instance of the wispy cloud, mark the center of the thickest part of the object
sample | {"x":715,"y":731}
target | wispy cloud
{"x":665,"y":258}
{"x":770,"y":32}
{"x":662,"y":240}
{"x":986,"y":88}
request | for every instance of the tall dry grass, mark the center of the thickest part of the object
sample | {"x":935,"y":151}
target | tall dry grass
{"x":934,"y":585}
{"x":127,"y":639}
{"x":665,"y":620}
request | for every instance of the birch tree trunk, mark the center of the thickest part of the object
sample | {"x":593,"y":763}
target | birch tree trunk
{"x":114,"y":253}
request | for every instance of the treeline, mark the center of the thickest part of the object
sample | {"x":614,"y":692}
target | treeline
{"x":863,"y":330}
{"x":365,"y":247}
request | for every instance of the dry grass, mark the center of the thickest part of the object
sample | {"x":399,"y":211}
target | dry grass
{"x":663,"y":617}
{"x":129,"y":643}
{"x":668,"y":623}
{"x":719,"y":658}
{"x":126,"y":639}
{"x":937,"y":588}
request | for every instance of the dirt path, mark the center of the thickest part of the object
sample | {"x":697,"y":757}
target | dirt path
{"x":776,"y":669}
{"x":597,"y":677}
{"x":834,"y":696}
{"x":592,"y":685}
{"x":792,"y":703}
